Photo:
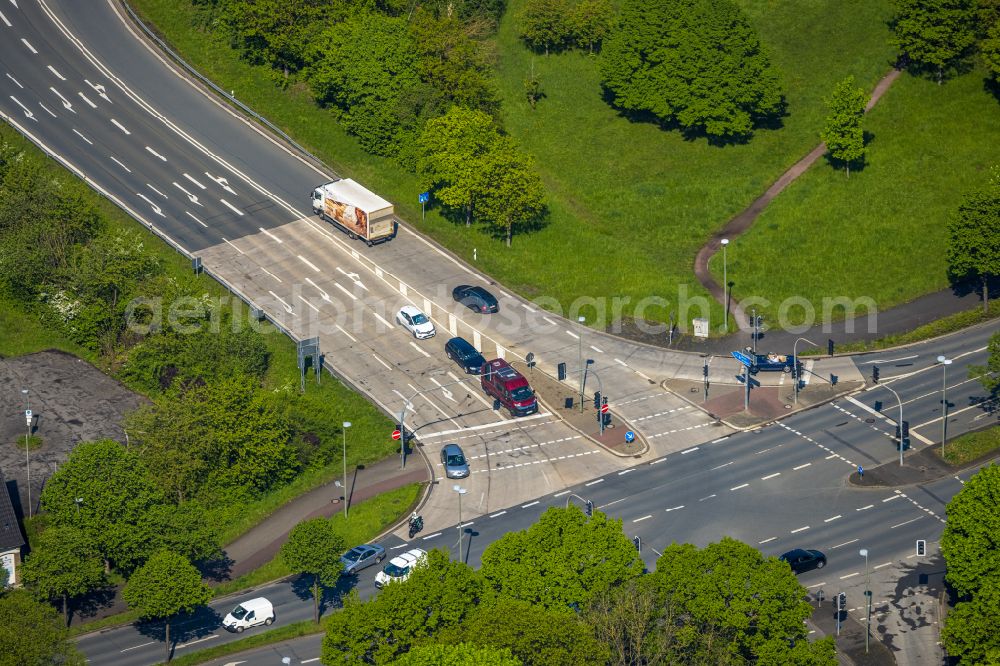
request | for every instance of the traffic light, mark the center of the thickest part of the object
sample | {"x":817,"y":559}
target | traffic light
{"x":921,"y":547}
{"x":638,"y":543}
{"x":597,"y":399}
{"x":704,"y":370}
{"x":829,"y":347}
{"x":590,"y":509}
{"x":496,"y":405}
{"x":841,"y":601}
{"x":875,"y":373}
{"x":562,"y":371}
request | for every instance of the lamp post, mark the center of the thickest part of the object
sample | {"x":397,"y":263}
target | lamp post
{"x":581,"y":320}
{"x":868,"y":597}
{"x":27,"y":436}
{"x":461,"y":532}
{"x":901,"y":438}
{"x":795,"y":360}
{"x":725,"y":280}
{"x":945,"y":362}
{"x":347,"y":495}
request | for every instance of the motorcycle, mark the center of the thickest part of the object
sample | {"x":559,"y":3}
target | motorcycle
{"x":416,"y":524}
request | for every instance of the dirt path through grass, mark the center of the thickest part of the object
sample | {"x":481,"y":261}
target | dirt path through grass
{"x":739,"y":224}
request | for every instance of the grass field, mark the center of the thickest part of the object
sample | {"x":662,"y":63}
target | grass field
{"x":971,"y":446}
{"x":630,"y":203}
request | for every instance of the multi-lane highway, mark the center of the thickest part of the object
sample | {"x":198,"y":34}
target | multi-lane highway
{"x":81,"y":83}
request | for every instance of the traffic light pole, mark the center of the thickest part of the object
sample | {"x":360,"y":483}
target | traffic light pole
{"x":902,"y":435}
{"x":795,"y":365}
{"x":408,"y":404}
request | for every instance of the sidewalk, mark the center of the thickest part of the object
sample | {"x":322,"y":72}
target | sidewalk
{"x":851,"y":641}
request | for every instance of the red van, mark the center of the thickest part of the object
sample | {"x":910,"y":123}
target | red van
{"x":509,"y":387}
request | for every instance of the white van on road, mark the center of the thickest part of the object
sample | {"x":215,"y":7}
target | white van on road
{"x":248,"y":614}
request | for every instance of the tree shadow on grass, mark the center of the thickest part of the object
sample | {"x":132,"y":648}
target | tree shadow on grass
{"x":992,"y":86}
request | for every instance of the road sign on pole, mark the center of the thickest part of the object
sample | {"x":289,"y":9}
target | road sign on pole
{"x":629,"y":437}
{"x":604,"y":409}
{"x":742,"y":358}
{"x":396,"y":434}
{"x":424,"y":198}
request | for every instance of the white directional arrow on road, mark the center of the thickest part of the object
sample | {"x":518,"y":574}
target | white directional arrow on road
{"x":27,"y":114}
{"x":221,"y":182}
{"x":445,"y":392}
{"x":99,"y":89}
{"x":66,"y":103}
{"x":192,"y":197}
{"x":156,"y":209}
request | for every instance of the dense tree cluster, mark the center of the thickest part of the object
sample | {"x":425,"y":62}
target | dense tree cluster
{"x":31,"y":632}
{"x":697,"y":64}
{"x":554,"y":25}
{"x":971,"y":548}
{"x":571,"y":590}
{"x":937,"y":36}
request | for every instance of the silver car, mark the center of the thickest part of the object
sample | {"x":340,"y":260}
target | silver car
{"x":363,"y":556}
{"x":455,"y":464}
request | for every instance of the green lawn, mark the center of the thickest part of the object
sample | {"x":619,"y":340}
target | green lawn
{"x":630,"y":203}
{"x":971,"y":446}
{"x":881,"y":233}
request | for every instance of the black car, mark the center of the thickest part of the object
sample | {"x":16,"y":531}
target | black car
{"x":463,"y":353}
{"x":475,"y":298}
{"x":801,"y":560}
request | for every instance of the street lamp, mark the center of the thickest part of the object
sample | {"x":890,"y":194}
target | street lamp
{"x":901,"y":435}
{"x":725,"y":280}
{"x":27,"y":436}
{"x":795,"y":360}
{"x":868,"y":595}
{"x":945,"y":362}
{"x":347,"y":495}
{"x":461,"y":491}
{"x":581,"y":320}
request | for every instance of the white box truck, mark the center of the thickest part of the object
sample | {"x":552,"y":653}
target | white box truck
{"x":359,"y":212}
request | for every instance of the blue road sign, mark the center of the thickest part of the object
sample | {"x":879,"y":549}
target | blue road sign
{"x":425,"y":197}
{"x":742,"y":358}
{"x":629,"y":437}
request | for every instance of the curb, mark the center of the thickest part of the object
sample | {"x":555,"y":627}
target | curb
{"x":642,"y":438}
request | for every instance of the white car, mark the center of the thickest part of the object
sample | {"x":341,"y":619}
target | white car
{"x":400,"y":567}
{"x":416,"y":322}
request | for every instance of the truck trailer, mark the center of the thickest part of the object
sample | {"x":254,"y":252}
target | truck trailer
{"x":359,"y":212}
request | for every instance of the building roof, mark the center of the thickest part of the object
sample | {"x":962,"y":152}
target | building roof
{"x":350,"y":192}
{"x":10,"y":530}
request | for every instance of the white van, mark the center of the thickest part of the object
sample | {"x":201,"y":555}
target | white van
{"x":248,"y":614}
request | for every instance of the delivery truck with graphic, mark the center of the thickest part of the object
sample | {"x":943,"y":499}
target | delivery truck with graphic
{"x":362,"y":214}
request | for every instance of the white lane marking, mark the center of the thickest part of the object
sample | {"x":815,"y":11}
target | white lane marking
{"x":28,"y":114}
{"x":82,"y":137}
{"x":596,"y":481}
{"x":879,"y":566}
{"x":768,"y":540}
{"x":303,"y":299}
{"x":193,"y":181}
{"x":550,"y":321}
{"x":5,"y":20}
{"x":387,"y":366}
{"x":65,"y":102}
{"x":721,"y":439}
{"x":800,"y":467}
{"x":269,"y":272}
{"x":833,"y":518}
{"x":625,"y":471}
{"x":56,"y":72}
{"x":349,"y":294}
{"x":498,"y":513}
{"x":233,"y":208}
{"x":707,"y":497}
{"x":770,"y":476}
{"x":156,"y":209}
{"x":191,"y":197}
{"x":99,"y":89}
{"x":519,"y":419}
{"x":221,"y":182}
{"x":431,"y":536}
{"x":596,"y":349}
{"x":639,"y":520}
{"x":47,"y":110}
{"x":309,"y":661}
{"x":84,"y":98}
{"x":382,"y":319}
{"x":691,"y":450}
{"x":850,"y":575}
{"x":115,"y":160}
{"x":865,"y":508}
{"x":905,"y":522}
{"x":621,"y":362}
{"x":813,"y":587}
{"x":136,"y":647}
{"x":155,"y":154}
{"x":16,"y":82}
{"x":801,"y":529}
{"x":325,"y":296}
{"x":891,"y":497}
{"x":271,"y":235}
{"x":417,"y":347}
{"x":308,"y":263}
{"x":846,"y":543}
{"x":120,"y":126}
{"x":723,"y":465}
{"x":196,"y":641}
{"x":341,"y":329}
{"x":157,"y":191}
{"x":560,"y":494}
{"x":573,"y":335}
{"x":196,"y":219}
{"x":288,"y":308}
{"x":529,"y":504}
{"x":233,"y":246}
{"x":28,"y":44}
{"x":740,"y":486}
{"x":658,"y":460}
{"x":679,"y":506}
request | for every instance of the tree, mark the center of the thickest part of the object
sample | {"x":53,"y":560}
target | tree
{"x":435,"y":598}
{"x":562,"y":561}
{"x":63,"y":564}
{"x":592,"y":21}
{"x":167,"y":584}
{"x":696,"y":63}
{"x":935,"y":34}
{"x":451,"y":150}
{"x":313,"y":549}
{"x":32,"y":634}
{"x":972,"y":629}
{"x":629,"y":620}
{"x":989,"y":374}
{"x":843,"y":135}
{"x":989,"y":48}
{"x":513,"y":196}
{"x":974,"y":237}
{"x":971,"y":540}
{"x":545,"y":24}
{"x":116,"y":496}
{"x":462,"y":654}
{"x":751,"y":607}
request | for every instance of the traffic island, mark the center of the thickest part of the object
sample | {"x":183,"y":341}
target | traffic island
{"x":555,"y":396}
{"x":921,"y":466}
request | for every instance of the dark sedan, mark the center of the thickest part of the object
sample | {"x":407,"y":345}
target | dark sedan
{"x":360,"y":557}
{"x":462,"y":352}
{"x":801,"y":560}
{"x":475,"y":298}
